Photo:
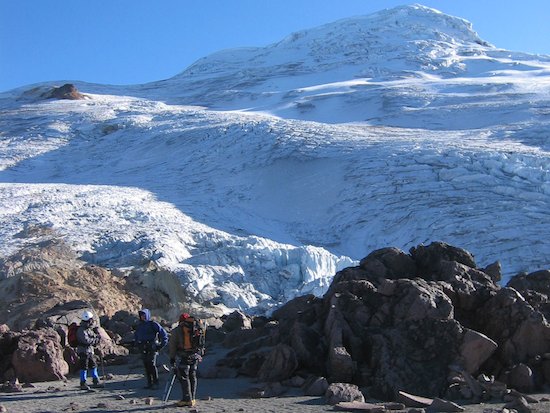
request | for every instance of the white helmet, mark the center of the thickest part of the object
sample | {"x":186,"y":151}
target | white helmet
{"x":87,"y":315}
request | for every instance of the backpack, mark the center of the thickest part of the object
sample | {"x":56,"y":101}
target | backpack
{"x":194,"y":334}
{"x":72,"y":339}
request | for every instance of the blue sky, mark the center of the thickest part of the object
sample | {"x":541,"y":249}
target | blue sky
{"x":138,"y":41}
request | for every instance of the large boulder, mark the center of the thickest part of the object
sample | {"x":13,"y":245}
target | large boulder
{"x":538,"y":281}
{"x":521,"y":331}
{"x":429,"y":258}
{"x":390,"y":263}
{"x":343,"y":392}
{"x":8,"y":344}
{"x":315,"y":386}
{"x":417,"y":299}
{"x":413,"y":357}
{"x":402,"y":333}
{"x":39,"y":356}
{"x":474,"y":350}
{"x":520,"y":377}
{"x":305,"y":308}
{"x":535,"y":288}
{"x":237,"y":320}
{"x":306,"y":341}
{"x":468,"y":288}
{"x":279,"y":365}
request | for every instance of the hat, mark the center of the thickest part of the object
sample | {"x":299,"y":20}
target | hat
{"x":87,"y":315}
{"x":184,"y":316}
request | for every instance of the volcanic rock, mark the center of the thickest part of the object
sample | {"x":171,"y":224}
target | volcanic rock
{"x":67,"y":91}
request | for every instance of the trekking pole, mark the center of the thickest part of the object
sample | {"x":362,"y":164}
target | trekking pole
{"x":168,"y":389}
{"x":102,"y":365}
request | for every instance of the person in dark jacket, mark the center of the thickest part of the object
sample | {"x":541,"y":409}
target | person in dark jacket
{"x":88,"y":336}
{"x":150,"y":337}
{"x":184,"y":358}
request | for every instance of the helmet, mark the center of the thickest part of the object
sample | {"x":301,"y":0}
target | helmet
{"x":87,"y":315}
{"x":184,"y":316}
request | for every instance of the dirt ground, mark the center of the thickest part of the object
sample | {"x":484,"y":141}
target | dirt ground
{"x":124,"y":392}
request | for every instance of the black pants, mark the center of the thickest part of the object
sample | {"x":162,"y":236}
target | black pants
{"x":150,"y":363}
{"x":86,"y":361}
{"x":187,"y":376}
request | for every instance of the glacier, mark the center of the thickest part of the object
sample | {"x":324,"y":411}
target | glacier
{"x":257,"y":173}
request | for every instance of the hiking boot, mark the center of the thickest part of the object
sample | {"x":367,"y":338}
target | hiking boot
{"x":84,"y":386}
{"x":185,"y":403}
{"x":97,"y":384}
{"x":193,"y":403}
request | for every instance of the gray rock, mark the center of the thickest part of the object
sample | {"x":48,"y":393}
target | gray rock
{"x":343,"y":392}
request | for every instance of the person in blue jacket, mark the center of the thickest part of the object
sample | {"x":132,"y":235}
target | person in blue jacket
{"x":150,"y":337}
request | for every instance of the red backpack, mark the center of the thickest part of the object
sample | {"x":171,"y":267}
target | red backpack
{"x":72,"y":339}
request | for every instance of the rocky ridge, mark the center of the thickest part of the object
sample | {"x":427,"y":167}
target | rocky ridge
{"x":426,"y":323}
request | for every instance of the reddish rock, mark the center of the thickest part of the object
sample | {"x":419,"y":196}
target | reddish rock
{"x":39,"y":356}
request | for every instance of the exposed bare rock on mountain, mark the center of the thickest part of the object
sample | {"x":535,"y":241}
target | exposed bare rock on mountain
{"x":523,"y":333}
{"x":428,"y":329}
{"x":47,"y":250}
{"x":427,"y":323}
{"x":538,"y":281}
{"x":67,"y":91}
{"x":279,"y":364}
{"x":48,"y":274}
{"x":535,"y":289}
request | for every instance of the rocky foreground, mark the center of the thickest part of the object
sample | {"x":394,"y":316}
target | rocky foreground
{"x":420,"y":330}
{"x":123,"y":392}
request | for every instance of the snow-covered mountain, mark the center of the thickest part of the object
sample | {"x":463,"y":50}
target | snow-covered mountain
{"x":257,"y":173}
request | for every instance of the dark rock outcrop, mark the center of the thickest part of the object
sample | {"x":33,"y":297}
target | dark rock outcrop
{"x":67,"y":91}
{"x":424,"y":323}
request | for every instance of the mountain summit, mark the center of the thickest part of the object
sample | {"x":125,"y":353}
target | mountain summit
{"x":415,"y":34}
{"x":402,"y":67}
{"x":256,"y":174}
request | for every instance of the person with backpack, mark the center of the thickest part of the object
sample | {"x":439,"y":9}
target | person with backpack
{"x":186,"y":348}
{"x":87,"y":337}
{"x":150,"y":338}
